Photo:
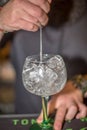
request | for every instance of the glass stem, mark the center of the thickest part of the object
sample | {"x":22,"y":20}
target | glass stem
{"x":44,"y":106}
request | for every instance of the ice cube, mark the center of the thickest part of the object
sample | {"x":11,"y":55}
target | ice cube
{"x":50,"y":75}
{"x":56,"y":62}
{"x":42,"y":73}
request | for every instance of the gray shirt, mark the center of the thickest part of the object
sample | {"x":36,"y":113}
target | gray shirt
{"x":70,"y":41}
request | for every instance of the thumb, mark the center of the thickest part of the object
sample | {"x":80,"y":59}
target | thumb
{"x":40,"y":117}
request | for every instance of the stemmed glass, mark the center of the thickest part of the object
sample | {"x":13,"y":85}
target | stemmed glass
{"x":44,"y":78}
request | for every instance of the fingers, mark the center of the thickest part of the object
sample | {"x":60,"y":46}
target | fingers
{"x":59,"y":118}
{"x":40,"y":118}
{"x":29,"y":18}
{"x":26,"y":25}
{"x":31,"y":13}
{"x":76,"y":110}
{"x":82,"y":111}
{"x":49,"y":1}
{"x":71,"y":112}
{"x":44,"y":4}
{"x":36,"y":12}
{"x":65,"y":113}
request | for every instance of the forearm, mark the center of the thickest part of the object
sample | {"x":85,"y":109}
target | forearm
{"x":80,"y":82}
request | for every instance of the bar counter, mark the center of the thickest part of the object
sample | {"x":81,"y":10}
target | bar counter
{"x":23,"y":122}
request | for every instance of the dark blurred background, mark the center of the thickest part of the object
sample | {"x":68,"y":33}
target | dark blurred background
{"x":7,"y":76}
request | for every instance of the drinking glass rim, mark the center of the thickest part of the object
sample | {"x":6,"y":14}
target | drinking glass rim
{"x":33,"y":57}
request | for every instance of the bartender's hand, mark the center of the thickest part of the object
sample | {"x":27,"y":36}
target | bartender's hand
{"x":68,"y":104}
{"x":24,"y":14}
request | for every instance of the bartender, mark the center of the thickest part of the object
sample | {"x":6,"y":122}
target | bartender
{"x":61,"y":36}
